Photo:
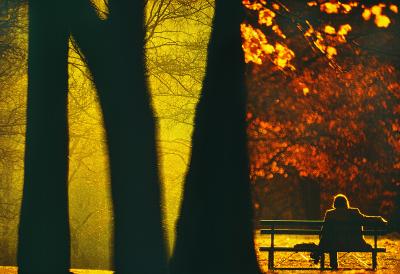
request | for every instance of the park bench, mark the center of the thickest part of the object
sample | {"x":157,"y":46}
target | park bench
{"x":310,"y":227}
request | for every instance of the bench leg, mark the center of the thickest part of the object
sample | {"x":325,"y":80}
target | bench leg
{"x":270,"y":260}
{"x":322,"y":262}
{"x":374,"y":261}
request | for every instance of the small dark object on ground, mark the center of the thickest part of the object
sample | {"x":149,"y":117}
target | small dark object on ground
{"x":315,"y":256}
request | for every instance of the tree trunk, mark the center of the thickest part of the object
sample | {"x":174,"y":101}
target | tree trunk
{"x":114,"y":52}
{"x":311,"y":198}
{"x":43,"y":245}
{"x":395,"y":218}
{"x":214,"y":231}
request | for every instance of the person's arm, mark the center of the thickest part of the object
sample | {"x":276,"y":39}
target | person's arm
{"x":326,"y":223}
{"x":372,"y":220}
{"x":326,"y":237}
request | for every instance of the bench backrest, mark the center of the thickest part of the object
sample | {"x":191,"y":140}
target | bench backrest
{"x":311,"y":227}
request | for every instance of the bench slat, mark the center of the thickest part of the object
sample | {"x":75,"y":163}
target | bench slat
{"x":313,"y":232}
{"x":292,"y":222}
{"x":310,"y":249}
{"x":309,"y":223}
{"x":291,"y":231}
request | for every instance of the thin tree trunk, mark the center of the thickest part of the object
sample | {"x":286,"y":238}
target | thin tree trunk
{"x":395,"y":220}
{"x":114,"y":52}
{"x":43,"y":245}
{"x":214,"y":231}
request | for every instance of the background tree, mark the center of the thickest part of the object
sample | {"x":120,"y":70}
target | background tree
{"x":12,"y":121}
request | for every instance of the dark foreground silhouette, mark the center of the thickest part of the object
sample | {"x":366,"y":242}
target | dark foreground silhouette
{"x":113,"y":50}
{"x":217,"y":192}
{"x":44,"y":242}
{"x":214,"y":231}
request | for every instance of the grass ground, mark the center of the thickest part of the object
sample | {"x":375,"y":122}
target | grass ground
{"x":352,"y":263}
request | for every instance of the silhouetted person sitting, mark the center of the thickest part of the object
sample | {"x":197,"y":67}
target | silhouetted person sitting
{"x":343,"y":229}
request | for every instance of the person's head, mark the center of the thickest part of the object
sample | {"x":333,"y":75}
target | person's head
{"x":340,"y":201}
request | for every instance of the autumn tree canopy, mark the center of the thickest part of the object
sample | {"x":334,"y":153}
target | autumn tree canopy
{"x":323,"y":98}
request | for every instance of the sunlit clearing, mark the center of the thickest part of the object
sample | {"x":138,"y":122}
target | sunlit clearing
{"x":176,"y":53}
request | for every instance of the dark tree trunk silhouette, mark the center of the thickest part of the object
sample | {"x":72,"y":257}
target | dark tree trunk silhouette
{"x":43,"y":245}
{"x":114,"y":52}
{"x":214,"y":231}
{"x":395,"y":219}
{"x":311,"y":198}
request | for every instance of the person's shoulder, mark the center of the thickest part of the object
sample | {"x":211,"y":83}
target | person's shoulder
{"x":329,"y":212}
{"x":354,"y":210}
{"x":355,"y":213}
